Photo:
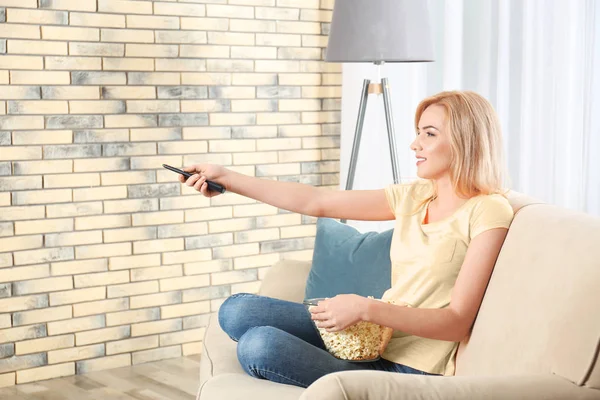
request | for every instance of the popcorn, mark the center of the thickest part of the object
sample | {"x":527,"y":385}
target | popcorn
{"x":360,"y":342}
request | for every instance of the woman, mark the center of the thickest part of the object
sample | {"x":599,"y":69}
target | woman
{"x":449,"y":228}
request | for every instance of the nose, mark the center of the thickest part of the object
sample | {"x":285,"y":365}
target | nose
{"x":415,"y":145}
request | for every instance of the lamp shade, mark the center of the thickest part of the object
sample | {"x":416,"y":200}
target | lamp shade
{"x":379,"y":30}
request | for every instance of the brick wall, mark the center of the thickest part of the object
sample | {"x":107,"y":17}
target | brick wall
{"x":105,"y":259}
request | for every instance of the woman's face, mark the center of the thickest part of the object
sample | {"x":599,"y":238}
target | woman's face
{"x":432,"y":144}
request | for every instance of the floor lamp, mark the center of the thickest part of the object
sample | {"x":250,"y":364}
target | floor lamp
{"x":378,"y":31}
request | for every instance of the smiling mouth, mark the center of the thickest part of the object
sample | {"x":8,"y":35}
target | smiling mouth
{"x":421,"y":160}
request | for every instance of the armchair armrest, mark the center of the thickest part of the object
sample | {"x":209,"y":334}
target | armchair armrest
{"x":369,"y":385}
{"x":286,"y":280}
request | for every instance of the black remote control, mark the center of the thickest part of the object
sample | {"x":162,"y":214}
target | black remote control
{"x":215,"y":187}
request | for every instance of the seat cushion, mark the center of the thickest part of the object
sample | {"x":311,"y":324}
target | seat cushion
{"x":347,"y":261}
{"x":245,"y":387}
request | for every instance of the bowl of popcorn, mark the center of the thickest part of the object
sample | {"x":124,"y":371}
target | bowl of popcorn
{"x":361,"y":342}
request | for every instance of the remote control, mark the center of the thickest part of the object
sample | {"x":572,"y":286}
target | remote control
{"x":215,"y":187}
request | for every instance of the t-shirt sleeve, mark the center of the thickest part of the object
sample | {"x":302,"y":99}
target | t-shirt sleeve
{"x":494,"y":211}
{"x":396,"y":194}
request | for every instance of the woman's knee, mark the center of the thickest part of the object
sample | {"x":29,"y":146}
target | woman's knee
{"x":231,"y":314}
{"x":256,"y":346}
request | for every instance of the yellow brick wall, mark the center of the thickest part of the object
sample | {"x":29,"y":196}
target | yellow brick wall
{"x":105,"y":259}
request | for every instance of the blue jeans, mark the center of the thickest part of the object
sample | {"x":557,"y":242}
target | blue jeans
{"x":278,"y":341}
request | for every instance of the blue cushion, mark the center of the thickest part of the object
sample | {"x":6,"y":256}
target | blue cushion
{"x":347,"y":261}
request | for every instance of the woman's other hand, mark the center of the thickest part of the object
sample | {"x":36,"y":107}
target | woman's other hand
{"x":339,"y":312}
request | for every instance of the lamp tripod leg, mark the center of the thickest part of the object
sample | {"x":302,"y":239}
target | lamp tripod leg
{"x":390,"y":130}
{"x":357,"y":136}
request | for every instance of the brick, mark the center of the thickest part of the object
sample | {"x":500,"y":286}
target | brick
{"x":22,"y":362}
{"x":20,"y":183}
{"x":153,"y":78}
{"x":204,"y":241}
{"x":128,"y":317}
{"x":156,"y":354}
{"x":20,"y":153}
{"x":23,"y":273}
{"x":205,"y":105}
{"x":205,"y":78}
{"x":100,"y":164}
{"x":231,"y":38}
{"x":124,"y":7}
{"x":47,"y":372}
{"x":40,"y":77}
{"x":251,"y":132}
{"x":42,"y":285}
{"x":189,"y":119}
{"x":100,"y":136}
{"x":237,"y":224}
{"x":152,"y":22}
{"x":230,"y":65}
{"x":43,"y":226}
{"x":248,"y":25}
{"x":223,"y":159}
{"x":277,"y":66}
{"x":74,"y":122}
{"x":185,"y":282}
{"x":152,"y":106}
{"x":157,"y":218}
{"x":237,"y":250}
{"x":19,"y":31}
{"x":208,"y":293}
{"x":4,"y":79}
{"x":293,"y":53}
{"x":228,"y":11}
{"x":6,"y":291}
{"x":7,"y":379}
{"x":209,"y":24}
{"x":42,"y":315}
{"x":72,"y":151}
{"x":293,"y":156}
{"x":74,"y":354}
{"x":191,"y":348}
{"x":314,"y":41}
{"x":101,"y":279}
{"x":179,"y":310}
{"x":158,"y":299}
{"x":156,"y":273}
{"x":151,"y":50}
{"x":180,"y":64}
{"x":181,"y":37}
{"x":129,"y":345}
{"x":6,"y":260}
{"x":44,"y":344}
{"x":254,"y":79}
{"x":321,"y":117}
{"x":129,"y":234}
{"x":278,"y":144}
{"x":80,"y":5}
{"x":262,"y":260}
{"x":204,"y":51}
{"x":160,"y":245}
{"x":129,"y":149}
{"x":103,"y":250}
{"x":151,"y":328}
{"x":138,"y":261}
{"x":97,"y":49}
{"x":77,"y":296}
{"x":232,"y":119}
{"x":176,"y":230}
{"x":126,"y":178}
{"x":278,"y":220}
{"x":68,"y":33}
{"x":127,"y":36}
{"x":70,"y":92}
{"x":190,"y":335}
{"x":184,"y":10}
{"x":98,"y":106}
{"x":132,"y":289}
{"x":102,"y":335}
{"x":248,"y":287}
{"x":278,"y":92}
{"x":22,"y":333}
{"x":98,"y":78}
{"x":253,"y":52}
{"x":74,"y":209}
{"x":178,"y":203}
{"x":78,"y":267}
{"x":43,"y":137}
{"x":76,"y":325}
{"x":100,"y":307}
{"x":79,"y":180}
{"x":130,"y":121}
{"x":22,"y":212}
{"x":97,"y":20}
{"x":277,"y":13}
{"x":128,"y":64}
{"x":254,"y":158}
{"x":276,"y":39}
{"x":20,"y":92}
{"x":102,"y":363}
{"x":21,"y":123}
{"x":175,"y":257}
{"x":43,"y":17}
{"x":154,"y":190}
{"x":319,"y":66}
{"x":39,"y":47}
{"x":133,"y":92}
{"x":253,"y":2}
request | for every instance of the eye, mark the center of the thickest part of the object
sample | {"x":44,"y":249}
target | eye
{"x":430,"y":134}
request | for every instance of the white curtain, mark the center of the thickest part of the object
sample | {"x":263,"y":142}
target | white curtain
{"x":537,"y":61}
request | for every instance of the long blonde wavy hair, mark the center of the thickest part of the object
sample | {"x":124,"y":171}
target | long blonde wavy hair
{"x":477,"y":165}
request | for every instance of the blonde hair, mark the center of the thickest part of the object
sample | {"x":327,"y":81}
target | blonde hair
{"x":477,"y":165}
